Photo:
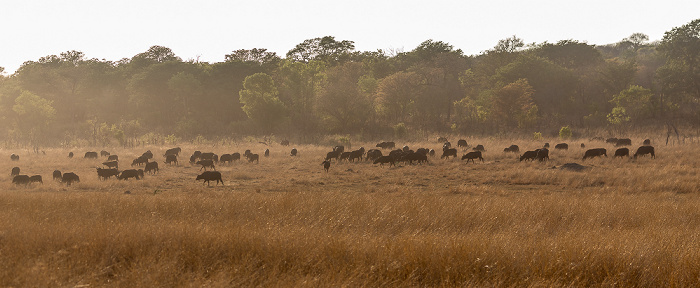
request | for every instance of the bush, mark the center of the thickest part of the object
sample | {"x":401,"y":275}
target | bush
{"x":565,"y":133}
{"x":400,"y":130}
{"x":537,"y":136}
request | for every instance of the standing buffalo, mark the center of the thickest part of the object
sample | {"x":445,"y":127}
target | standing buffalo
{"x":386,"y":145}
{"x":562,"y":146}
{"x":326,"y":165}
{"x":69,"y":178}
{"x":14,"y":157}
{"x":103,"y":174}
{"x":15,"y":171}
{"x":210,"y":176}
{"x":622,"y":152}
{"x":20,"y":179}
{"x":529,"y":155}
{"x":385,"y":159}
{"x":205,"y":164}
{"x":90,"y":155}
{"x":151,"y":167}
{"x":596,"y":152}
{"x":57,"y":175}
{"x":623,"y":142}
{"x":461,"y":143}
{"x":479,"y":148}
{"x":253,"y":157}
{"x":131,"y":173}
{"x":542,"y":154}
{"x":170,"y":159}
{"x":113,"y":158}
{"x":284,"y":143}
{"x":449,"y":152}
{"x":104,"y":153}
{"x":111,"y":164}
{"x":644,"y":150}
{"x":140,"y":161}
{"x":473,"y":155}
{"x":70,"y":154}
{"x":512,"y":148}
{"x":173,"y":151}
{"x":293,"y":152}
{"x":267,"y":152}
{"x":36,"y":179}
{"x":646,"y":142}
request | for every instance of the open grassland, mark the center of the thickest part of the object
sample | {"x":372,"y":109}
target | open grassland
{"x":286,"y":222}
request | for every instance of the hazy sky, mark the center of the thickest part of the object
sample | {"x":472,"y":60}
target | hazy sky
{"x":113,"y":30}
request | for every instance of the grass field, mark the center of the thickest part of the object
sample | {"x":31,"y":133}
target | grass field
{"x":286,"y":222}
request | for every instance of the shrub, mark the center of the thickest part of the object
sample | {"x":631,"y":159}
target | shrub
{"x":565,"y":133}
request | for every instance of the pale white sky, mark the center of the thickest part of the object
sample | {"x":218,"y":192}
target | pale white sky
{"x":209,"y":29}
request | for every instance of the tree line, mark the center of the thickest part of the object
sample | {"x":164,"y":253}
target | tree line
{"x":324,"y":87}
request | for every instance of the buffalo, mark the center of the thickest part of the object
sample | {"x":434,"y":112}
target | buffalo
{"x":326,"y":165}
{"x":170,"y":159}
{"x":209,"y":156}
{"x":344,"y":156}
{"x":373,"y":154}
{"x":69,"y":178}
{"x":253,"y":157}
{"x":386,"y":145}
{"x":431,"y":152}
{"x":131,"y":173}
{"x":646,"y":142}
{"x":512,"y":148}
{"x":226,"y":158}
{"x":140,"y":161}
{"x":473,"y":155}
{"x":611,"y":141}
{"x":113,"y":158}
{"x":461,"y":143}
{"x":596,"y":152}
{"x":561,"y":146}
{"x":20,"y":179}
{"x":90,"y":155}
{"x":205,"y":164}
{"x":15,"y":171}
{"x":546,"y":145}
{"x":583,"y":145}
{"x":335,"y":154}
{"x":449,"y":152}
{"x":385,"y":159}
{"x":623,"y":142}
{"x":210,"y":176}
{"x":293,"y":152}
{"x":446,"y":145}
{"x":173,"y":151}
{"x":36,"y":179}
{"x":148,"y":154}
{"x":542,"y":154}
{"x":529,"y":155}
{"x":151,"y":167}
{"x":357,"y":154}
{"x":418,"y":157}
{"x":14,"y":157}
{"x":442,"y":139}
{"x":622,"y":152}
{"x":644,"y":150}
{"x":235,"y":156}
{"x":267,"y":152}
{"x":340,"y":148}
{"x":70,"y":154}
{"x":104,"y":153}
{"x":479,"y":148}
{"x":57,"y":175}
{"x":111,"y":164}
{"x":103,"y":174}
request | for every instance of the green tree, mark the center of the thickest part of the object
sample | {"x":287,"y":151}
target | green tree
{"x":260,"y":101}
{"x":298,"y":89}
{"x":341,"y":103}
{"x":637,"y":103}
{"x":680,"y":76}
{"x":33,"y":115}
{"x":513,"y":105}
{"x":322,"y":48}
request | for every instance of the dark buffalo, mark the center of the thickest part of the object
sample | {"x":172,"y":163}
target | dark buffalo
{"x":131,"y":173}
{"x":57,"y":175}
{"x":103,"y":174}
{"x":423,"y":151}
{"x":148,"y":154}
{"x":170,"y":159}
{"x":173,"y":151}
{"x":542,"y":154}
{"x":253,"y":157}
{"x":431,"y":152}
{"x":479,"y":148}
{"x":69,"y":178}
{"x":546,"y":145}
{"x":449,"y":152}
{"x":461,"y":143}
{"x":386,"y":145}
{"x":36,"y":179}
{"x":512,"y":148}
{"x":373,"y":154}
{"x":14,"y":157}
{"x":583,"y":145}
{"x":561,"y":146}
{"x":596,"y":152}
{"x":611,"y":141}
{"x":293,"y":152}
{"x":20,"y":179}
{"x":623,"y":142}
{"x":529,"y":155}
{"x":206,"y":163}
{"x":226,"y":158}
{"x":446,"y":145}
{"x":644,"y":150}
{"x":196,"y":154}
{"x":209,"y":156}
{"x":151,"y":167}
{"x":104,"y":153}
{"x":139,"y":161}
{"x":210,"y":176}
{"x":646,"y":142}
{"x":111,"y":164}
{"x":344,"y":156}
{"x":335,"y":154}
{"x":418,"y":157}
{"x":113,"y":158}
{"x":235,"y":156}
{"x":340,"y":148}
{"x":267,"y":152}
{"x":90,"y":155}
{"x":622,"y":152}
{"x":442,"y":139}
{"x":385,"y":159}
{"x":193,"y":159}
{"x":356,"y":155}
{"x":70,"y":154}
{"x":15,"y":171}
{"x":473,"y":155}
{"x":326,"y":165}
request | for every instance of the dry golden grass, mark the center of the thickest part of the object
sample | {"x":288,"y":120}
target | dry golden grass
{"x":285,"y":222}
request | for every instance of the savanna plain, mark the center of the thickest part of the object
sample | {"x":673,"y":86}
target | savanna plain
{"x":285,"y":222}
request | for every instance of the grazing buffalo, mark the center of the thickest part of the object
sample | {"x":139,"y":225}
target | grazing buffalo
{"x":103,"y":174}
{"x":546,"y":145}
{"x":529,"y":155}
{"x":253,"y":157}
{"x":386,"y":145}
{"x":646,"y":142}
{"x":196,"y":154}
{"x":596,"y":152}
{"x":479,"y":148}
{"x":139,"y":161}
{"x":267,"y":152}
{"x":170,"y":159}
{"x":173,"y":151}
{"x":561,"y":146}
{"x":15,"y":171}
{"x":210,"y":176}
{"x":644,"y":150}
{"x":512,"y":148}
{"x":36,"y":179}
{"x":90,"y":155}
{"x":418,"y":157}
{"x":70,"y":154}
{"x":385,"y":159}
{"x":148,"y":154}
{"x":209,"y":156}
{"x":57,"y":175}
{"x":104,"y":153}
{"x":449,"y":152}
{"x":284,"y":143}
{"x":113,"y":158}
{"x":611,"y":141}
{"x":326,"y":165}
{"x":226,"y":158}
{"x":205,"y":164}
{"x":151,"y":167}
{"x":131,"y":173}
{"x":461,"y":143}
{"x":14,"y":157}
{"x":473,"y":155}
{"x":69,"y":178}
{"x":236,"y":156}
{"x":335,"y":154}
{"x":623,"y":142}
{"x":373,"y":154}
{"x":543,"y":154}
{"x":622,"y":152}
{"x":293,"y":152}
{"x":20,"y":179}
{"x":442,"y":139}
{"x":111,"y":164}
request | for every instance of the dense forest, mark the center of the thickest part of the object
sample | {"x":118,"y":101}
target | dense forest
{"x":324,"y":87}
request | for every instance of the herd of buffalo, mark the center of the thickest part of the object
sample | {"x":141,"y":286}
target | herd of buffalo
{"x":405,"y":155}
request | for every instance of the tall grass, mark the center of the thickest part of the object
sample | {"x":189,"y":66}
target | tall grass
{"x":286,"y":222}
